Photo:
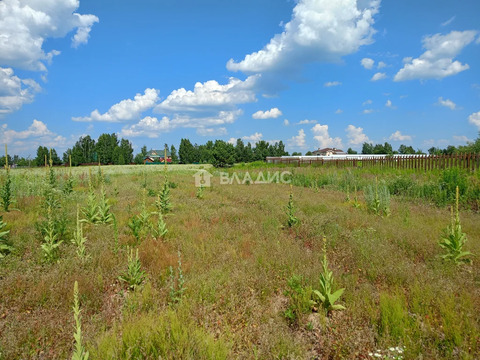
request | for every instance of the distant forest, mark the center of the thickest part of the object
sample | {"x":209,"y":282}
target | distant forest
{"x":108,"y":149}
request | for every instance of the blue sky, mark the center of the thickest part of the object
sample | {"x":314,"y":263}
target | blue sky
{"x":313,"y":73}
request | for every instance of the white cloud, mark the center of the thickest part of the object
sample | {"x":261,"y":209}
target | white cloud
{"x":149,"y":127}
{"x":449,"y":21}
{"x":221,"y":131}
{"x":35,"y":135}
{"x":381,"y":65}
{"x":368,"y":111}
{"x":286,"y":122}
{"x":378,"y":76}
{"x":437,"y":61}
{"x":367,"y":63}
{"x":475,"y":119}
{"x":298,"y":141}
{"x":126,"y":109}
{"x":398,"y":136}
{"x":152,"y":127}
{"x":332,"y":83}
{"x":14,"y":92}
{"x":210,"y":94}
{"x":447,"y":103}
{"x":269,"y":114}
{"x":355,"y":135}
{"x":462,"y":139}
{"x":338,"y":111}
{"x":26,"y":24}
{"x":232,"y":141}
{"x":307,"y":122}
{"x":318,"y":31}
{"x":253,"y":138}
{"x":323,"y":138}
{"x":367,"y":102}
{"x":389,"y":104}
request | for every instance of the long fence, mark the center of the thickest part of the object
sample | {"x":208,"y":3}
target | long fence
{"x":416,"y":162}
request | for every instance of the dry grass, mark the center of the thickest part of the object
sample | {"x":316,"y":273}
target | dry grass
{"x":237,"y":255}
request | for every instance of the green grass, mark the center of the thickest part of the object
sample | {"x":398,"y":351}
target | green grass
{"x":237,"y":256}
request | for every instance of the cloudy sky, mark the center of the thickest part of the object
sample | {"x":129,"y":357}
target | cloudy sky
{"x":313,"y":73}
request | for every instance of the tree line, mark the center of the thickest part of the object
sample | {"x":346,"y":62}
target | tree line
{"x":108,"y":149}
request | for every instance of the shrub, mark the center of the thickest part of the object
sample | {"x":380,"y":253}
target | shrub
{"x":79,"y":240}
{"x":378,"y":199}
{"x":163,"y":203}
{"x":51,"y":243}
{"x":134,"y":276}
{"x":6,"y":192}
{"x":300,"y":301}
{"x":5,"y":244}
{"x":79,"y":352}
{"x":177,"y":287}
{"x":104,"y":216}
{"x":453,"y":239}
{"x":292,"y":220}
{"x":326,"y":295}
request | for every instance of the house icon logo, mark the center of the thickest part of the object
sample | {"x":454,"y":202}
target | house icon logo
{"x":202,"y":178}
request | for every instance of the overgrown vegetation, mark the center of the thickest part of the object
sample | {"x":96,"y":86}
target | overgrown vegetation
{"x":326,"y":295}
{"x":453,"y":239}
{"x":79,"y":351}
{"x":242,"y":287}
{"x":292,"y":220}
{"x":133,"y":276}
{"x":5,"y":243}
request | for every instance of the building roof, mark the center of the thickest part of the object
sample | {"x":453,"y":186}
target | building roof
{"x":326,"y":150}
{"x":157,"y":153}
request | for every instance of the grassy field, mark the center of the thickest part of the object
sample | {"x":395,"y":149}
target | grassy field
{"x":230,"y":279}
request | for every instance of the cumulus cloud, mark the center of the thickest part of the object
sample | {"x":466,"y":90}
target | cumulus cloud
{"x":286,"y":122}
{"x":332,"y":83}
{"x":35,"y":135}
{"x":221,"y":131}
{"x":368,"y":111}
{"x":378,"y":76}
{"x":437,"y":61}
{"x":474,"y":119}
{"x":210,"y":95}
{"x":125,"y":110}
{"x":298,"y":141}
{"x":462,"y":139}
{"x":381,"y":65}
{"x":14,"y":92}
{"x":253,"y":138}
{"x":355,"y":135}
{"x":367,"y":63}
{"x":323,"y":138}
{"x":319,"y":30}
{"x":307,"y":122}
{"x":367,"y":102}
{"x":398,"y":136}
{"x":152,"y":127}
{"x":389,"y":104}
{"x":26,"y":24}
{"x":269,"y":114}
{"x":338,"y":111}
{"x":447,"y":103}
